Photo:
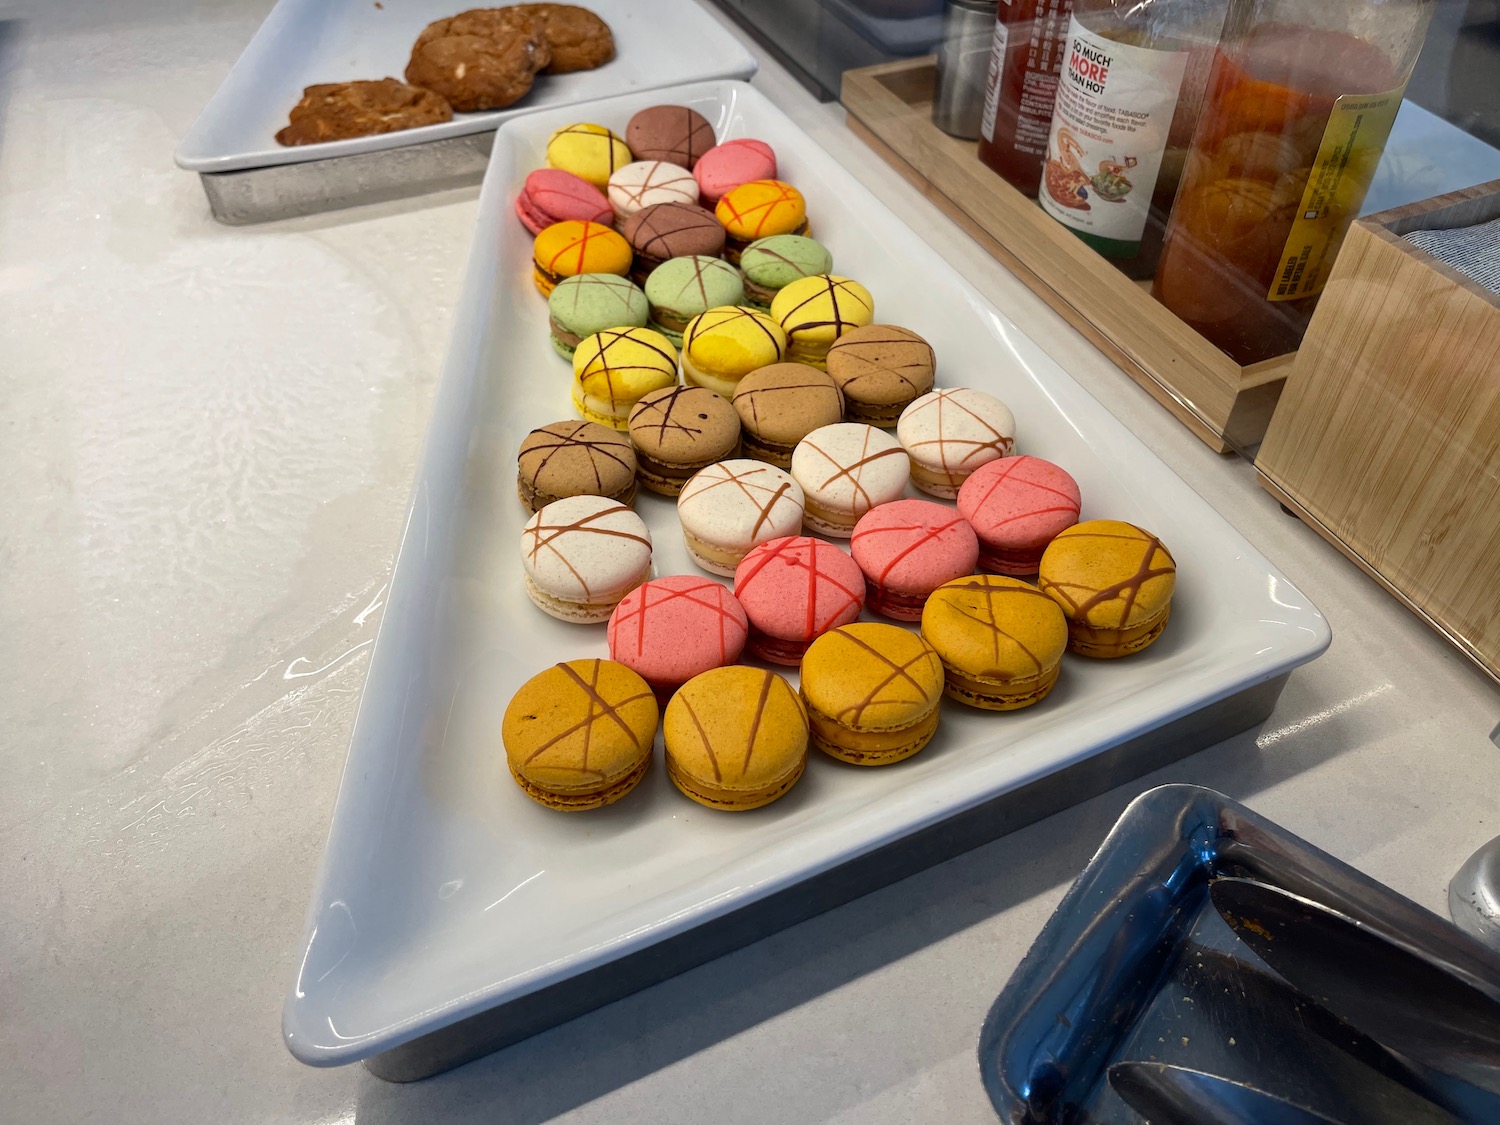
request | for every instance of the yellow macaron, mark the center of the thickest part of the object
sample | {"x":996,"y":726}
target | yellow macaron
{"x":872,"y":692}
{"x":759,"y":209}
{"x":1114,"y":582}
{"x":815,"y":311}
{"x":577,"y":247}
{"x":723,"y":345}
{"x":613,"y":369}
{"x":591,"y":152}
{"x":1000,"y":639}
{"x":579,"y":735}
{"x":736,"y":738}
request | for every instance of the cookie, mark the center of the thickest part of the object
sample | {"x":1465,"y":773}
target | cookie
{"x":815,"y":311}
{"x":794,"y":590}
{"x":1114,"y":582}
{"x":781,"y":404}
{"x":731,"y":506}
{"x":845,"y":470}
{"x":336,"y":110}
{"x":725,"y":167}
{"x":642,"y":183}
{"x":770,"y":264}
{"x":572,"y":248}
{"x":881,"y":370}
{"x":582,"y":555}
{"x":1017,"y":505}
{"x":907,"y":549}
{"x":736,"y":738}
{"x":682,"y":288}
{"x":872,"y":693}
{"x":723,"y":345}
{"x":574,"y":459}
{"x":486,"y":58}
{"x":758,"y":210}
{"x":551,"y":195}
{"x":951,"y":432}
{"x":674,"y":133}
{"x":670,"y":230}
{"x":591,"y":152}
{"x":579,"y":735}
{"x":587,"y":303}
{"x":577,"y":38}
{"x":678,"y":431}
{"x":1001,"y":640}
{"x":616,"y":368}
{"x":672,"y":629}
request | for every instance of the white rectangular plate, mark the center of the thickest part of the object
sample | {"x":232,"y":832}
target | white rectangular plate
{"x":305,"y":42}
{"x":445,"y":891}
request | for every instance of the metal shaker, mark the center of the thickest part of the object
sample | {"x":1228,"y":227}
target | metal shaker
{"x":963,"y":63}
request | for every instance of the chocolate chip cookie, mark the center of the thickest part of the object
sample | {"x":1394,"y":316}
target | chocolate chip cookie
{"x":486,"y":58}
{"x":336,"y":110}
{"x":579,"y":39}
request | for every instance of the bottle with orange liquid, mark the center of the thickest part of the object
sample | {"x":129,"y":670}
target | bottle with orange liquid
{"x":1300,"y":102}
{"x":1024,"y":64}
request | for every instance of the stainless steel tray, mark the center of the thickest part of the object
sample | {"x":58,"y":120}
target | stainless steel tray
{"x":1136,"y":964}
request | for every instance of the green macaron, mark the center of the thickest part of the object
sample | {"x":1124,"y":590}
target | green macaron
{"x":777,"y":261}
{"x":681,"y":288}
{"x":593,"y":302}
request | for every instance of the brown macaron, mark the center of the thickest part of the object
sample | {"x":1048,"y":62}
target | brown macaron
{"x":575,"y":458}
{"x":670,"y":230}
{"x":880,"y":369}
{"x":679,"y":430}
{"x":781,"y":404}
{"x":674,"y":133}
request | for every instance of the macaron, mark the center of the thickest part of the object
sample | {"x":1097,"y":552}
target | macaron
{"x":731,"y":506}
{"x":678,"y":431}
{"x":671,"y":629}
{"x":872,"y":693}
{"x":591,"y":302}
{"x":614,"y":369}
{"x":845,"y":470}
{"x":815,"y":311}
{"x":574,"y":459}
{"x":1114,"y":583}
{"x":881,"y":369}
{"x":726,"y":166}
{"x":1017,"y":505}
{"x":771,"y":264}
{"x":551,"y":195}
{"x":759,"y":209}
{"x":641,"y":183}
{"x":591,"y":152}
{"x":675,"y":133}
{"x":780,"y":405}
{"x":579,"y":735}
{"x":907,"y":549}
{"x":736,"y":738}
{"x":723,"y":345}
{"x":1000,"y":639}
{"x":582,"y":555}
{"x":951,"y":432}
{"x":794,"y":590}
{"x":682,"y":288}
{"x":572,"y":248}
{"x":670,"y":230}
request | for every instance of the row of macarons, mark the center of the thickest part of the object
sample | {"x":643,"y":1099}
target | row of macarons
{"x":580,"y":734}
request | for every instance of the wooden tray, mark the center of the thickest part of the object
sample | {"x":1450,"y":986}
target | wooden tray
{"x":1387,"y":441}
{"x":1228,"y":406}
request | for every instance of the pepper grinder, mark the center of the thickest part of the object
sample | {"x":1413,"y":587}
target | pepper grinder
{"x":963,"y":63}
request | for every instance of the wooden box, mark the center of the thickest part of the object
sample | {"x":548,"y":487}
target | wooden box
{"x":1387,"y":439}
{"x":890,"y":107}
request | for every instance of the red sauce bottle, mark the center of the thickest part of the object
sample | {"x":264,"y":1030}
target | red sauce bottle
{"x":1030,"y":44}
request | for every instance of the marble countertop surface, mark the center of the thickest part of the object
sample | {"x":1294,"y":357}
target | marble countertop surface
{"x":206,"y":445}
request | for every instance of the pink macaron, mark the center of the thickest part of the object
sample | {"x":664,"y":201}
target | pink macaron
{"x":551,"y":195}
{"x":907,"y":549}
{"x":1017,"y":505}
{"x":725,"y":167}
{"x":670,"y":629}
{"x":794,"y":590}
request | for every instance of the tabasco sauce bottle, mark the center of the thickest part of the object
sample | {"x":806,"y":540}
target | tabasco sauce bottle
{"x":1128,"y":100}
{"x":1024,"y":65}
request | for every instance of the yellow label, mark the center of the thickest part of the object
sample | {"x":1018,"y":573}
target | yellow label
{"x":1341,"y":174}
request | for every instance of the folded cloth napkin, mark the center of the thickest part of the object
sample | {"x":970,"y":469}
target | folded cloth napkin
{"x":1472,"y":251}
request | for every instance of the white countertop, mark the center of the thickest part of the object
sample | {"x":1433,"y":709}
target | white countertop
{"x":208,"y":438}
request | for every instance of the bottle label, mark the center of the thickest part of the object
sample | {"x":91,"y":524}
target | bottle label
{"x":992,"y":83}
{"x":1109,"y":131}
{"x":1341,"y":173}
